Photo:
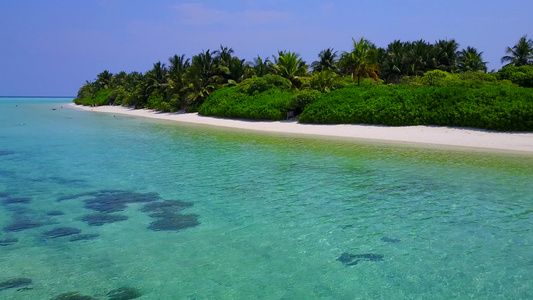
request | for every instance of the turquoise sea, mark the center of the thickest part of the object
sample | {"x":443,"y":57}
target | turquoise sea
{"x":92,"y":202}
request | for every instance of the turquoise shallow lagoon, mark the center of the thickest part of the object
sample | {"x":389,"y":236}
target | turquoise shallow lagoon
{"x":274,"y":213}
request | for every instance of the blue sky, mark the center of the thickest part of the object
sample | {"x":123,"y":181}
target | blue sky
{"x":49,"y":48}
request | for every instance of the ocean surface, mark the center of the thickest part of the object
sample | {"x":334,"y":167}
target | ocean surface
{"x":98,"y":204}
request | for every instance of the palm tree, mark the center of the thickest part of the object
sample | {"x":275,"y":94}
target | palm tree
{"x":469,"y":59}
{"x":290,"y":66}
{"x":261,"y":67}
{"x":156,"y":78}
{"x":103,"y":79}
{"x":178,"y":68}
{"x":202,"y":78}
{"x":520,"y":54}
{"x":328,"y":61}
{"x":223,"y":56}
{"x":362,"y":61}
{"x":394,"y":62}
{"x":117,"y":80}
{"x":238,"y":70}
{"x":324,"y":80}
{"x":88,"y":90}
{"x":444,"y":56}
{"x":418,"y":57}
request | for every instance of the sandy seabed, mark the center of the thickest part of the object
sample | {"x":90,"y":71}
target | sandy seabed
{"x":429,"y":135}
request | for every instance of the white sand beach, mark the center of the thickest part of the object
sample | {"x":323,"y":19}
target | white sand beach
{"x":429,"y":135}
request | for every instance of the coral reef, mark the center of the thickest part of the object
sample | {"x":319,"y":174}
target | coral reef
{"x":54,"y":213}
{"x":390,"y":240}
{"x":7,"y":242}
{"x":6,"y":152}
{"x":83,"y":237}
{"x":124,"y":293}
{"x":102,"y":218}
{"x":165,"y":206}
{"x":174,"y":222}
{"x":60,"y":232}
{"x":20,"y":200}
{"x":349,"y":259}
{"x":15,"y":283}
{"x":22,"y":222}
{"x":72,"y":296}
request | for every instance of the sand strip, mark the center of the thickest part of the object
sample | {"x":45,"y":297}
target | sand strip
{"x":444,"y":136}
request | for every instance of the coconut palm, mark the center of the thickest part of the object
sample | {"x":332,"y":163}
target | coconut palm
{"x":444,"y":55}
{"x":238,"y":70}
{"x":418,"y":57}
{"x":520,"y":54}
{"x":290,"y":66}
{"x":103,"y":79}
{"x":88,"y":90}
{"x":394,"y":62}
{"x":202,"y":78}
{"x":261,"y":67}
{"x":117,"y":80}
{"x":362,"y":61}
{"x":469,"y":59}
{"x":177,"y":70}
{"x":328,"y":61}
{"x":156,"y":78}
{"x":223,"y":56}
{"x":323,"y":81}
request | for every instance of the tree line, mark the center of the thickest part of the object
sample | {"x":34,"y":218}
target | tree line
{"x":185,"y":83}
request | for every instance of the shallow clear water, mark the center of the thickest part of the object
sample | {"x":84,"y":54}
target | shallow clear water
{"x":275,"y":213}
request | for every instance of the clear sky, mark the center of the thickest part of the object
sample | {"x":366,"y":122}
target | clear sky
{"x":50,"y":47}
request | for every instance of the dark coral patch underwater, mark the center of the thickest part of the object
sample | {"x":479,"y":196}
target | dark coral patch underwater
{"x":19,"y":200}
{"x":15,"y":283}
{"x":166,"y":206}
{"x":124,"y":293}
{"x":168,"y":217}
{"x":22,"y":222}
{"x":6,"y":152}
{"x":83,"y":237}
{"x":102,"y":219}
{"x":349,"y":259}
{"x":8,"y":242}
{"x":60,"y":232}
{"x":390,"y":240}
{"x":72,"y":296}
{"x":107,"y":202}
{"x":54,"y":213}
{"x":174,"y":222}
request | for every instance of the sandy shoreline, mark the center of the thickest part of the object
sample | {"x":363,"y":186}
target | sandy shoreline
{"x":444,"y":136}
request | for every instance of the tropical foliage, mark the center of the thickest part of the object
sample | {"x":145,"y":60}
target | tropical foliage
{"x":520,"y":54}
{"x":362,"y":61}
{"x":396,"y":85}
{"x":494,"y":108}
{"x":469,"y":59}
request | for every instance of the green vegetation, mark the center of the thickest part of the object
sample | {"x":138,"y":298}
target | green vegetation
{"x":492,"y":107}
{"x":406,"y":83}
{"x":267,"y":98}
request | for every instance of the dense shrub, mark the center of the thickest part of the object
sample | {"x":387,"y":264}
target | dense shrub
{"x":118,"y":95}
{"x":493,"y":108}
{"x":300,"y":100}
{"x":522,"y":76}
{"x":469,"y":79}
{"x":272,"y":104}
{"x":258,"y":85}
{"x":101,"y":98}
{"x":154,"y":100}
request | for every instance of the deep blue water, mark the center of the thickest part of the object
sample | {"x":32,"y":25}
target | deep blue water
{"x":254,"y":216}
